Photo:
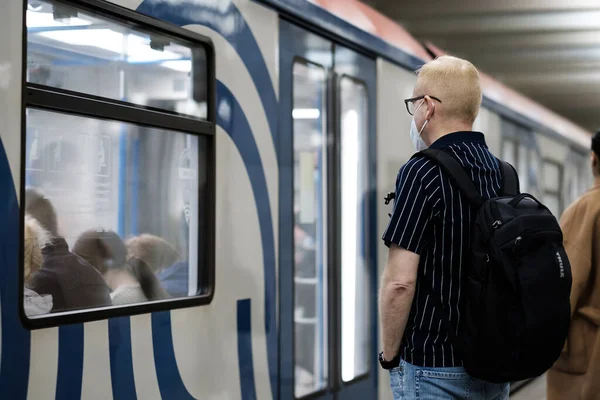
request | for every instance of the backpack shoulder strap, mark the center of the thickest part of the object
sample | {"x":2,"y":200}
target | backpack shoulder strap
{"x":510,"y":179}
{"x":456,"y":173}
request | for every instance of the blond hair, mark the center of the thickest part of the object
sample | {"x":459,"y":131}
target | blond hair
{"x":153,"y":250}
{"x":456,"y":83}
{"x":35,"y":239}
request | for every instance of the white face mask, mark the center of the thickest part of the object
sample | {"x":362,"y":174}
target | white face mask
{"x":415,"y":134}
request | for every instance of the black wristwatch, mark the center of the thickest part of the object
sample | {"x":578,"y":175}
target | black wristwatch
{"x":389,"y":364}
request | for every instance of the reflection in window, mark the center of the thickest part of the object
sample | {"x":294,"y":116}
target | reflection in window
{"x":553,"y":186}
{"x":508,"y":152}
{"x":125,"y":199}
{"x":310,"y":200}
{"x":522,"y":167}
{"x":355,"y":276}
{"x":578,"y":176}
{"x":77,"y":50}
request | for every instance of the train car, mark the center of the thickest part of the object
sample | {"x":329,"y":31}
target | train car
{"x":257,"y":138}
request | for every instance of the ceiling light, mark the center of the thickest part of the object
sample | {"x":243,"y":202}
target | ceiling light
{"x":306,"y":113}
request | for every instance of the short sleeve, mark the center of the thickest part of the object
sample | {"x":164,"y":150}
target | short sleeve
{"x":412,"y":212}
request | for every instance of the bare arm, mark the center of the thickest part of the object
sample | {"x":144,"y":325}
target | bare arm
{"x":396,"y":296}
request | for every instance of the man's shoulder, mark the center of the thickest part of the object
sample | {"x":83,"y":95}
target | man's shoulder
{"x":588,"y":203}
{"x":419,"y":166}
{"x":43,"y":279}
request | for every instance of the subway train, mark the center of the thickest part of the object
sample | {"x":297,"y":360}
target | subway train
{"x":258,"y":138}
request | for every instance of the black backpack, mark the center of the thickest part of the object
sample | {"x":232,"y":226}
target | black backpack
{"x":516,"y":302}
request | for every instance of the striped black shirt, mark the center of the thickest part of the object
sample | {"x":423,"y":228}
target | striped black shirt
{"x":433,"y":219}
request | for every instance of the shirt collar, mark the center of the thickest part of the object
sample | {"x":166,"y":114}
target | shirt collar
{"x":56,"y":245}
{"x":458,"y":137}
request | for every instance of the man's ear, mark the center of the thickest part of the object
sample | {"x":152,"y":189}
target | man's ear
{"x":430,"y":107}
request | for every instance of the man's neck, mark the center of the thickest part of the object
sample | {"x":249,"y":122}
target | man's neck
{"x":446,"y":130}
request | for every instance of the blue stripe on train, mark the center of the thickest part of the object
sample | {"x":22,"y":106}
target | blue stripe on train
{"x":235,"y":123}
{"x":244,"y":42}
{"x":169,"y":380}
{"x":121,"y":359}
{"x":14,"y":365}
{"x":70,"y":362}
{"x":244,"y":329}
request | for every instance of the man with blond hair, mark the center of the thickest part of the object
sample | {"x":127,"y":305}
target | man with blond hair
{"x":428,"y":238}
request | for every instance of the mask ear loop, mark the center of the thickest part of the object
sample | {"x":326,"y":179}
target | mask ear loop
{"x":426,"y":121}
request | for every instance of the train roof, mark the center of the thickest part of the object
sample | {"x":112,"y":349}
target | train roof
{"x":395,"y":37}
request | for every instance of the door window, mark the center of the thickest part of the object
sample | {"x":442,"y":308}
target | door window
{"x":355,"y":291}
{"x":310,"y":230}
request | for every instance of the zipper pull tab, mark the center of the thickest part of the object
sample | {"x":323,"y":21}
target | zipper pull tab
{"x":497,"y":224}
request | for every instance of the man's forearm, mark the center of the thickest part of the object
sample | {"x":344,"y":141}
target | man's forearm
{"x":395,"y":301}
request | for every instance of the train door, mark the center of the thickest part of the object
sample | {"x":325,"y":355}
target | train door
{"x":327,"y":219}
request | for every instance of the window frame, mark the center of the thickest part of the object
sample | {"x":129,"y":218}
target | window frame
{"x":80,"y":104}
{"x":327,"y":207}
{"x":558,"y":192}
{"x":338,"y":203}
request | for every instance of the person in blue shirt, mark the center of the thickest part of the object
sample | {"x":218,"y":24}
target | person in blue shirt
{"x":164,"y":260}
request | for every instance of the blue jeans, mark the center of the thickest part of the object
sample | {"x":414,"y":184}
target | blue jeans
{"x":410,"y":382}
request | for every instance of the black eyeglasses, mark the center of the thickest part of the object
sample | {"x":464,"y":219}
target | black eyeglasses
{"x":410,"y":103}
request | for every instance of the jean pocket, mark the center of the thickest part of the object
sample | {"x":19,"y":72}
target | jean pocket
{"x":449,"y":383}
{"x":397,"y":382}
{"x":446,"y":373}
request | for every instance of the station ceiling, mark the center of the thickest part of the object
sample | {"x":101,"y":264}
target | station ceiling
{"x":548,"y":50}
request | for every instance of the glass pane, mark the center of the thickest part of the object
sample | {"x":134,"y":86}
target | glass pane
{"x":77,"y":50}
{"x":551,"y":177}
{"x":355,"y":296}
{"x":310,"y":196}
{"x":508,"y":152}
{"x":522,"y":167}
{"x":553,"y":203}
{"x":125,"y":198}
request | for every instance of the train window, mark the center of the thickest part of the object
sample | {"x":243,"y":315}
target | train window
{"x":354,"y":274}
{"x":551,"y":176}
{"x":79,"y":50}
{"x":522,"y":167}
{"x":519,"y":148}
{"x":119,"y":198}
{"x":536,"y":170}
{"x":553,"y":186}
{"x":310,"y":227}
{"x":578,"y":176}
{"x":508,"y":152}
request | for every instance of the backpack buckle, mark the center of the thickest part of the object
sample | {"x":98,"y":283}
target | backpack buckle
{"x":389,"y":197}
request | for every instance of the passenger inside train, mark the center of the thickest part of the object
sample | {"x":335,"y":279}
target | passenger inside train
{"x":131,"y":280}
{"x":71,"y":281}
{"x":35,"y":238}
{"x":163,"y":259}
{"x":99,"y":269}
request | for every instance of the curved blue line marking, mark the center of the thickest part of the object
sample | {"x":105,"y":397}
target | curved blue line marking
{"x":230,"y":24}
{"x":14,"y":366}
{"x":244,"y":328}
{"x":70,"y":362}
{"x":169,"y":380}
{"x":231,"y":118}
{"x":121,"y":359}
